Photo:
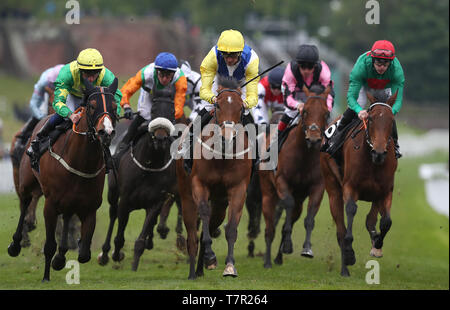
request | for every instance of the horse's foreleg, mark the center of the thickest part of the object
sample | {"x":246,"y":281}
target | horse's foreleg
{"x":50,"y":217}
{"x":162,"y":228}
{"x":385,"y":224}
{"x":15,"y":247}
{"x":313,"y":207}
{"x":236,"y":199}
{"x":371,"y":221}
{"x":253,"y":204}
{"x":139,"y":245}
{"x":288,"y":203}
{"x":350,"y":211}
{"x":123,"y":216}
{"x":30,"y":221}
{"x":179,"y":227}
{"x":59,"y":261}
{"x":103,"y":258}
{"x":87,"y":231}
{"x":209,"y":257}
{"x":337,"y":212}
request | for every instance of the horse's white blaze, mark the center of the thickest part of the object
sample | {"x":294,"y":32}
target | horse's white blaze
{"x":108,"y":125}
{"x":229,"y":100}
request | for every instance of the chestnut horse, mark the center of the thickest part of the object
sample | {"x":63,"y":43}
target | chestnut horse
{"x":216,"y":183}
{"x":297,"y":176}
{"x":366,"y":173}
{"x":71,"y":177}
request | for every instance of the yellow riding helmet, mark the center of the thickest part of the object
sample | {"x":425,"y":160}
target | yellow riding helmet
{"x":230,"y":41}
{"x":90,"y":59}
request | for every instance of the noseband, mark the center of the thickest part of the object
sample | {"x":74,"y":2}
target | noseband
{"x":216,"y":107}
{"x":314,"y":125}
{"x":366,"y":124}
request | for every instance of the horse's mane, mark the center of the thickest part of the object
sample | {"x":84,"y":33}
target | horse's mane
{"x":231,"y":83}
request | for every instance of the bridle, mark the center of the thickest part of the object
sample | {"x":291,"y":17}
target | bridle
{"x":313,"y":126}
{"x":366,"y":124}
{"x":216,"y":107}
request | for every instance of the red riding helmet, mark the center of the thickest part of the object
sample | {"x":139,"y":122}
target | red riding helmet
{"x":383,"y":49}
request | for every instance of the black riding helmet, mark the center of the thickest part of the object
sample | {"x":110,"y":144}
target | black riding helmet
{"x":307,"y":53}
{"x":275,"y":77}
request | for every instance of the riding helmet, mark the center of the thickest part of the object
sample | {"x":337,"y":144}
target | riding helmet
{"x":307,"y":53}
{"x":166,"y":61}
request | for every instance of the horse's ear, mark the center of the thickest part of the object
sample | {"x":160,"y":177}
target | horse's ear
{"x":113,"y":87}
{"x":327,"y":90}
{"x":305,"y":90}
{"x":371,"y":98}
{"x":392,"y":99}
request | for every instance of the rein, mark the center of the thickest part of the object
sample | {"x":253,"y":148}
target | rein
{"x":366,"y":125}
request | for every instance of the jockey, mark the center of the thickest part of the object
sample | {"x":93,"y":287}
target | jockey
{"x":161,"y":76}
{"x":193,"y":89}
{"x":69,"y":88}
{"x":306,"y":70}
{"x":230,"y":58}
{"x":38,"y":105}
{"x":376,"y":69}
{"x":269,"y":96}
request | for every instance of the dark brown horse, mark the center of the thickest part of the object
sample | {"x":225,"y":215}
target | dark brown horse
{"x":297,"y":177}
{"x":365,"y":173}
{"x":146,"y":179}
{"x":16,"y":157}
{"x":253,"y":202}
{"x":72,"y":175}
{"x":216,"y":183}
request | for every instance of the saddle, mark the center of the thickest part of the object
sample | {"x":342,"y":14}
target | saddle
{"x":52,"y":137}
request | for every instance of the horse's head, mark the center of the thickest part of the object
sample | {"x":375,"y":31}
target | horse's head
{"x":101,"y":111}
{"x":161,"y":127}
{"x":379,"y":126}
{"x":229,"y":109}
{"x":315,"y":114}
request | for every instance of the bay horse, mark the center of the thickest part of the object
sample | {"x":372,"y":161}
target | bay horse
{"x":71,"y":177}
{"x":216,"y":182}
{"x":297,"y":176}
{"x":146,"y":179}
{"x":16,"y":157}
{"x":366,"y":173}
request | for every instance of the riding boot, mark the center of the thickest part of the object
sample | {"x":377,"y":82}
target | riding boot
{"x":22,"y":138}
{"x":347,"y":117}
{"x":34,"y":149}
{"x":282,"y":125}
{"x":125,"y":143}
{"x":398,"y":154}
{"x":205,"y":117}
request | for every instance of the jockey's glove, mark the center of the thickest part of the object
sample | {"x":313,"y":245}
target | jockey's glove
{"x":128,"y":113}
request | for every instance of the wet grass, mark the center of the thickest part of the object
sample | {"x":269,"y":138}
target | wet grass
{"x":416,"y":252}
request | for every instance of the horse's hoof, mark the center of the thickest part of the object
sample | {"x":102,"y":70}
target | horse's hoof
{"x":230,"y":271}
{"x":149,"y":243}
{"x":345,"y":273}
{"x":378,"y":253}
{"x":307,"y":253}
{"x":58,"y":262}
{"x":163,"y":231}
{"x":279,"y":259}
{"x":45,"y":280}
{"x":14,"y":249}
{"x":118,"y":257}
{"x":84,"y":258}
{"x":349,"y":257}
{"x":102,"y":259}
{"x":216,"y":233}
{"x":211,"y":263}
{"x":287,"y":247}
{"x":251,"y":249}
{"x":268,"y":265}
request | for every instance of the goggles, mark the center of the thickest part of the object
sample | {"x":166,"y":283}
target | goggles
{"x":382,"y":53}
{"x":232,"y":54}
{"x":165,"y":73}
{"x":306,"y":65}
{"x":382,"y":62}
{"x":275,"y":86}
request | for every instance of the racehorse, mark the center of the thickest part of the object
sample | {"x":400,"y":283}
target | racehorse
{"x":253,"y":202}
{"x":146,"y":179}
{"x":216,"y":182}
{"x":71,"y":177}
{"x":297,"y":176}
{"x":16,"y":157}
{"x":366,"y":173}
